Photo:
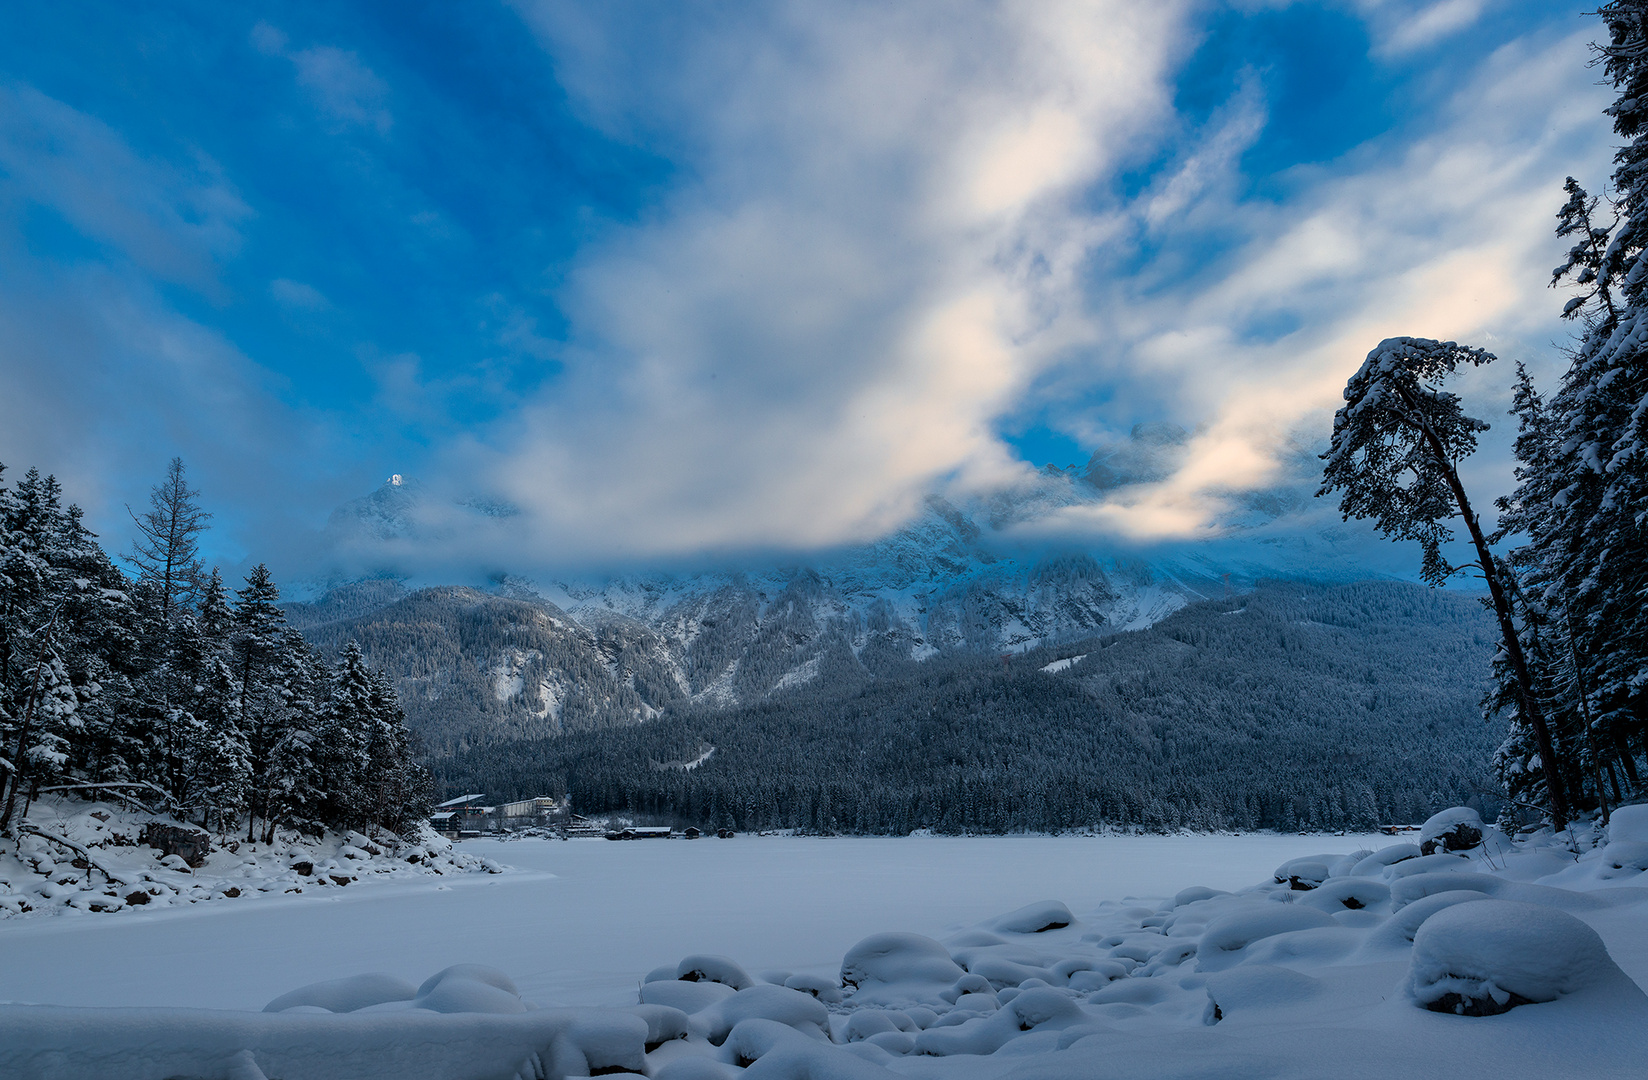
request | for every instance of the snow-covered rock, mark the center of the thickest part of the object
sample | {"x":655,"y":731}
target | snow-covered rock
{"x":1488,"y":956}
{"x":1458,"y":828}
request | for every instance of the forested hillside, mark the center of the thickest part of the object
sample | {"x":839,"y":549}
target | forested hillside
{"x":1294,"y":706}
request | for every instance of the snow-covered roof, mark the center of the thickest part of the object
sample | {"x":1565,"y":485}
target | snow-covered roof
{"x":460,"y":800}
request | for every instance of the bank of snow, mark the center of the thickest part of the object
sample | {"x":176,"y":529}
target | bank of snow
{"x":1494,"y":962}
{"x":74,"y":857}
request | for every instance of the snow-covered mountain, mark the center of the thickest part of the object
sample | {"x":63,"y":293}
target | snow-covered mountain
{"x":552,"y":653}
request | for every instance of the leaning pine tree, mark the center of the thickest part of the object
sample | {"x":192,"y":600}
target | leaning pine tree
{"x":1397,"y":444}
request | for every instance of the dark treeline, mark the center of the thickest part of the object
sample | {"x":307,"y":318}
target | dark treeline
{"x":168,"y":692}
{"x":1292,"y":707}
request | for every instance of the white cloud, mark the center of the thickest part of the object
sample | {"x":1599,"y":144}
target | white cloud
{"x":1448,"y":237}
{"x":297,"y":295}
{"x":883,"y":245}
{"x":892,"y":232}
{"x":1404,"y":29}
{"x":171,"y":221}
{"x":348,"y":93}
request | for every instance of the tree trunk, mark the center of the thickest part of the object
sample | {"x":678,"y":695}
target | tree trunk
{"x":1527,"y":700}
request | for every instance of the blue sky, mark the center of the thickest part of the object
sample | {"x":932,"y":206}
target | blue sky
{"x":684,"y":278}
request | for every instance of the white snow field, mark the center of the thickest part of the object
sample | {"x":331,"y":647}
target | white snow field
{"x":864,"y":959}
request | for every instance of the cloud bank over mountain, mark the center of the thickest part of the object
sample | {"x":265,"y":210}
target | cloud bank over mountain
{"x":680,"y":284}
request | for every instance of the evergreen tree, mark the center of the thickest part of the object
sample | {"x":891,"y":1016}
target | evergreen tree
{"x":1397,"y":444}
{"x":167,"y":548}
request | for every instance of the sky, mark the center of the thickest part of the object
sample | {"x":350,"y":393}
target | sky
{"x":680,"y":280}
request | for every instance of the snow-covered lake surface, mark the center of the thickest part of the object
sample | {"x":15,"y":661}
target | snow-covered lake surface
{"x":584,"y":920}
{"x":784,"y":958}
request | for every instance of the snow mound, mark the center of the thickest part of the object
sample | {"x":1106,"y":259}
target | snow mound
{"x":818,"y":986}
{"x":1385,"y":856}
{"x":689,"y":997}
{"x":1304,"y":873}
{"x":779,"y":1004}
{"x":1034,"y":919}
{"x":1256,"y":986}
{"x":716,"y":969}
{"x":1485,"y":957}
{"x":346,"y":995}
{"x":898,"y":968}
{"x":1348,"y":894}
{"x":1225,"y":939}
{"x":1629,"y":823}
{"x":1624,"y":858}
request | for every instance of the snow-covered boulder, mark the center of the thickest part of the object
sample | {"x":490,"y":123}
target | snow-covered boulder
{"x":469,"y":988}
{"x":689,"y":997}
{"x":1348,"y":894}
{"x":1398,"y":930}
{"x":1225,"y":939}
{"x":792,"y":1008}
{"x":1037,"y":1009}
{"x":1345,"y":864}
{"x":1304,"y":873}
{"x":346,"y":995}
{"x":1253,"y":987}
{"x":1458,"y":828}
{"x":1485,"y":957}
{"x":1624,"y":858}
{"x":1375,"y":864}
{"x":1629,"y":823}
{"x":1195,"y":894}
{"x":1409,"y":889}
{"x":866,"y":1022}
{"x":819,"y":986}
{"x":1034,"y":919}
{"x":1437,"y":862}
{"x":898,"y":969}
{"x":664,"y":1024}
{"x":713,"y":969}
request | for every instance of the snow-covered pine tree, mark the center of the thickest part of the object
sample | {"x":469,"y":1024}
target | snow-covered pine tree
{"x":292,"y":777}
{"x":1397,"y":444}
{"x":1588,"y":549}
{"x":401,"y":789}
{"x":344,"y":734}
{"x":256,"y":643}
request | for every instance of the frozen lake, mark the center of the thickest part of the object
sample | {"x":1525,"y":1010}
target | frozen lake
{"x":584,"y":920}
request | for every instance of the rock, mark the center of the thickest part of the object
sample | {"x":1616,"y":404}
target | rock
{"x":137,"y":898}
{"x":191,"y":845}
{"x":304,"y":867}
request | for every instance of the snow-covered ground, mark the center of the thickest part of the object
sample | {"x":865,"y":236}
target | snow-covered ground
{"x":581,"y":921}
{"x":1245,"y":977}
{"x":75,"y":858}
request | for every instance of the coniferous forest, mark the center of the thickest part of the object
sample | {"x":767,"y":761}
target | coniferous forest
{"x":168,"y":691}
{"x":1296,"y":706}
